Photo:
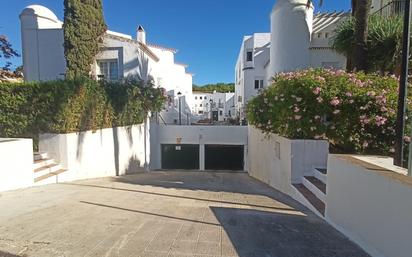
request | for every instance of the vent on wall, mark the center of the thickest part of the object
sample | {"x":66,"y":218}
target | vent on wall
{"x":277,"y":150}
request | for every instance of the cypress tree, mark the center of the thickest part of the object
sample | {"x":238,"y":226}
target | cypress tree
{"x":83,"y":27}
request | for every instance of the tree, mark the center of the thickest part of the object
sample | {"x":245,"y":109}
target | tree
{"x":383,"y":42}
{"x":218,"y":87}
{"x":84,"y":27}
{"x":6,"y":51}
{"x":361,"y":9}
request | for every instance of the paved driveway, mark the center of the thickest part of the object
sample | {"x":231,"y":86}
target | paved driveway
{"x":163,"y":214}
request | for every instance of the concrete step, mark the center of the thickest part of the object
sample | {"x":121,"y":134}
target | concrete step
{"x":311,"y":198}
{"x":321,"y":174}
{"x":42,"y":171}
{"x":42,"y":163}
{"x":50,"y":178}
{"x":40,"y":156}
{"x":316,"y":186}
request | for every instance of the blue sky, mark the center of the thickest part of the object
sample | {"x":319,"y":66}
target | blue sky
{"x":207,"y":33}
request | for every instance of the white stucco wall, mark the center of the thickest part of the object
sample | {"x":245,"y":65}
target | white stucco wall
{"x":247,"y":72}
{"x":279,"y":161}
{"x":198,"y":135}
{"x":42,"y":44}
{"x":16,"y":163}
{"x":291,"y":30}
{"x":106,"y":152}
{"x":378,"y":4}
{"x":371,"y":205}
{"x":327,"y":58}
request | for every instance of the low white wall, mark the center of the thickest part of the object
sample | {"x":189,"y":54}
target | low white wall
{"x":16,"y":163}
{"x":106,"y":152}
{"x":198,"y":135}
{"x":280,"y":162}
{"x":371,"y":205}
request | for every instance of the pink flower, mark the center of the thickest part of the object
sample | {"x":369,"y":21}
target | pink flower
{"x":298,"y":117}
{"x":351,"y":101}
{"x":296,"y":110}
{"x":407,"y":139}
{"x":335,"y":101}
{"x":349,"y":94}
{"x":319,"y":99}
{"x":380,"y":121}
{"x":371,"y":93}
{"x":365,"y":144}
{"x":317,"y":91}
{"x":336,"y":112}
{"x":364,"y":120}
{"x":317,"y":117}
{"x":320,"y":79}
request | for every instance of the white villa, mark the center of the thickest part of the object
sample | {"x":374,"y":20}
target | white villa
{"x":215,"y":106}
{"x":298,"y":40}
{"x":121,"y":57}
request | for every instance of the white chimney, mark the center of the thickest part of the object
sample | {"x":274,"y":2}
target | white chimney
{"x":141,"y":34}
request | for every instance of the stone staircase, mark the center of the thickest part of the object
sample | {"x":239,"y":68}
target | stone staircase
{"x":46,"y":170}
{"x":312,"y":190}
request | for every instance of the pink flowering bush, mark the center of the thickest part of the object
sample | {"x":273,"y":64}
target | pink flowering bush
{"x":355,"y":112}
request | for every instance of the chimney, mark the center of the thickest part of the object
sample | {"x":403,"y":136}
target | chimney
{"x":141,"y":34}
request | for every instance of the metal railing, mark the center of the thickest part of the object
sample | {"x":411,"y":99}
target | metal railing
{"x":395,"y":7}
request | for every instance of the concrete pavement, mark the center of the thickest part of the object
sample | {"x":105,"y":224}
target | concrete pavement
{"x":164,"y":214}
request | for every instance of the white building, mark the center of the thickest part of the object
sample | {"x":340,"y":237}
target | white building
{"x":251,"y":69}
{"x":215,"y":106}
{"x":121,"y":56}
{"x":298,"y":40}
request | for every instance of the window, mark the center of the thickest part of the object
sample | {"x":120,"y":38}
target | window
{"x":326,"y":35}
{"x":249,"y":56}
{"x":195,"y":97}
{"x":109,"y":69}
{"x":201,"y":105}
{"x":200,"y":112}
{"x":205,"y":98}
{"x":319,"y":35}
{"x":221,"y":113}
{"x":201,"y":98}
{"x":258,"y":83}
{"x":239,"y":99}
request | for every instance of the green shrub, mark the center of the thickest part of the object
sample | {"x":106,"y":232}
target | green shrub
{"x":355,"y":112}
{"x":73,"y":106}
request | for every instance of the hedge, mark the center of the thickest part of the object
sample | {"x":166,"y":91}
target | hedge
{"x":355,"y":112}
{"x":73,"y":106}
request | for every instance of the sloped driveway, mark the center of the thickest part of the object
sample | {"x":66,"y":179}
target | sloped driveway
{"x":163,"y":214}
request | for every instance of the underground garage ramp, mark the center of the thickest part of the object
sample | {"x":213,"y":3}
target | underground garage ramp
{"x":180,"y":157}
{"x":224,"y":157}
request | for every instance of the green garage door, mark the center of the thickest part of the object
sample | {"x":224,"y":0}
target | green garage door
{"x":224,"y":157}
{"x":180,"y":157}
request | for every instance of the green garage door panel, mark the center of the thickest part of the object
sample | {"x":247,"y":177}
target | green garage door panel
{"x":180,"y":157}
{"x":224,"y":157}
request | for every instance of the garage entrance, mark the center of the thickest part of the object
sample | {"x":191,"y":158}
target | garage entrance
{"x":224,"y":157}
{"x":180,"y":157}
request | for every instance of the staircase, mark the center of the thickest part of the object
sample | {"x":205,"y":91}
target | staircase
{"x":46,"y":170}
{"x":312,"y":190}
